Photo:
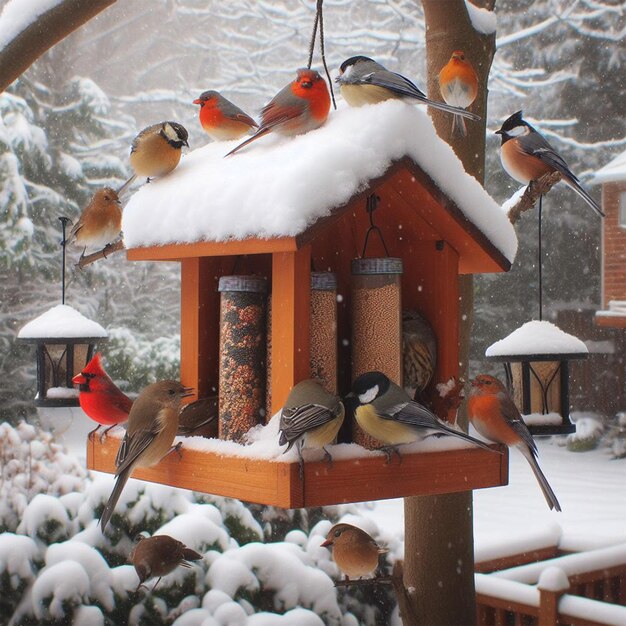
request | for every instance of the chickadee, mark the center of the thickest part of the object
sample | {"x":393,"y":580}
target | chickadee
{"x":354,"y":551}
{"x":526,"y":156}
{"x":158,"y":556}
{"x":385,"y":411}
{"x":364,"y":81}
{"x":311,"y":418}
{"x":156,"y":151}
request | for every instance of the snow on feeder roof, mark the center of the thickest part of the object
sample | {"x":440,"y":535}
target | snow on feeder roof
{"x":61,"y":322}
{"x":537,"y":338}
{"x":612,"y":172}
{"x":279,"y":187}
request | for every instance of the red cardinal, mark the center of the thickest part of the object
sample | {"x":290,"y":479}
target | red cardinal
{"x":299,"y":107}
{"x":458,"y":84}
{"x":221,"y":119}
{"x":100,"y":398}
{"x":495,"y":416}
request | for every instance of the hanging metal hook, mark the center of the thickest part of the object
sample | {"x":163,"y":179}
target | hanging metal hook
{"x":370,"y":206}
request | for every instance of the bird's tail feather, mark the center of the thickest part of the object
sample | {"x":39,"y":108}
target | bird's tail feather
{"x":259,"y":133}
{"x":114,"y":497}
{"x":576,"y":186}
{"x":466,"y":437}
{"x":458,"y":126}
{"x":548,"y":494}
{"x":126,"y":185}
{"x":456,"y":110}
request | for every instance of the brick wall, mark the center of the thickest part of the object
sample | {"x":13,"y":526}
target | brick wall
{"x":614,"y":245}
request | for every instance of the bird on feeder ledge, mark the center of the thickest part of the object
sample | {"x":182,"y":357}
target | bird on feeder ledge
{"x":221,"y":119}
{"x":299,"y":107}
{"x":495,"y":416}
{"x":158,"y":556}
{"x":311,"y":418}
{"x":354,"y":551}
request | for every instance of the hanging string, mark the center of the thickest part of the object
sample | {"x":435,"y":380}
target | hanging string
{"x":540,"y":265}
{"x":370,"y":207}
{"x":319,"y":19}
{"x":64,"y":222}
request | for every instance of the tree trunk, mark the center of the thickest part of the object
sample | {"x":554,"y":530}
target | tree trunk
{"x":43,"y":33}
{"x":439,"y":546}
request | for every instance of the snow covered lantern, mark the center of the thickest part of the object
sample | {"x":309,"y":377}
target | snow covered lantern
{"x":289,"y":205}
{"x":65,"y":341}
{"x":535,"y":358}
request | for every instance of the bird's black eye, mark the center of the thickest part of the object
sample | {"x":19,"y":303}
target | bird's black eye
{"x":171,"y":392}
{"x":306,"y":84}
{"x":88,"y":376}
{"x":337,"y":533}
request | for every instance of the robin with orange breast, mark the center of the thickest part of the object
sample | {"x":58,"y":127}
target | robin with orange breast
{"x":458,"y":84}
{"x":494,"y":415}
{"x":221,"y":119}
{"x":527,"y":156}
{"x":354,"y":551}
{"x":100,"y":223}
{"x":299,"y":107}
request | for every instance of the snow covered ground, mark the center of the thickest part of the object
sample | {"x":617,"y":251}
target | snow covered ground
{"x":591,"y":488}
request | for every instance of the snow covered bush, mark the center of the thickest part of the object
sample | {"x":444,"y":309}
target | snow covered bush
{"x":588,"y":433}
{"x":56,"y":567}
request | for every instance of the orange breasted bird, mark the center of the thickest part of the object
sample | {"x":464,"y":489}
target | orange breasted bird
{"x":152,"y":426}
{"x":221,"y":119}
{"x":100,"y":222}
{"x":158,"y":556}
{"x":100,"y":398}
{"x":495,"y":416}
{"x":156,"y":151}
{"x":354,"y":551}
{"x":364,"y":81}
{"x":299,"y":107}
{"x":458,"y":84}
{"x":527,"y":156}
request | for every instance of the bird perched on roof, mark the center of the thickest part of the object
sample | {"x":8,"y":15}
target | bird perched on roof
{"x":100,"y":398}
{"x":156,"y":151}
{"x":299,"y":107}
{"x":221,"y":119}
{"x":100,"y":222}
{"x":419,"y":352}
{"x":458,"y":84}
{"x":495,"y":416}
{"x":199,"y":418}
{"x":354,"y":551}
{"x":527,"y":156}
{"x":386,"y":412}
{"x":152,"y":426}
{"x":364,"y":81}
{"x":311,"y":418}
{"x":158,"y":556}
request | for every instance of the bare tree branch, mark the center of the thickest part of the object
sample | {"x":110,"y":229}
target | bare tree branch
{"x":43,"y":33}
{"x":108,"y":250}
{"x":534,"y":190}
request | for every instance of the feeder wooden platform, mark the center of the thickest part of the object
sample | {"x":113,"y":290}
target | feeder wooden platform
{"x":349,"y":480}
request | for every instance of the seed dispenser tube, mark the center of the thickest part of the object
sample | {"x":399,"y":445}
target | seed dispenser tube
{"x":376,"y":324}
{"x":323,"y":329}
{"x":242,"y":355}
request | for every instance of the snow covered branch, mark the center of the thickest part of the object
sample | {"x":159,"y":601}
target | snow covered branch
{"x":533,"y":192}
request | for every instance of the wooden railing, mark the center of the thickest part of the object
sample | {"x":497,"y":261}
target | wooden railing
{"x":581,"y":589}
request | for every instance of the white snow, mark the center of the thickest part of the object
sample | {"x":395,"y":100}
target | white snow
{"x":61,"y":321}
{"x":537,"y":337}
{"x":553,"y":578}
{"x":593,"y":611}
{"x":60,"y":584}
{"x":612,"y":172}
{"x":17,"y":15}
{"x":65,"y":393}
{"x":543,"y":419}
{"x":279,"y":186}
{"x":483,"y":20}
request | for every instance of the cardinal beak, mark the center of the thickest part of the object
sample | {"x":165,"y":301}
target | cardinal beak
{"x":79,"y":379}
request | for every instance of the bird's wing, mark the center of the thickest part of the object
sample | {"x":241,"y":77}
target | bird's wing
{"x":394,"y":82}
{"x":536,"y":145}
{"x":133,"y":446}
{"x":514,"y":418}
{"x":296,"y":421}
{"x":234,"y":112}
{"x":413,"y":414}
{"x":273,"y":114}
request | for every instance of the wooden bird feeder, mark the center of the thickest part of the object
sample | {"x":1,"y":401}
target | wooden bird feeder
{"x":422,"y":225}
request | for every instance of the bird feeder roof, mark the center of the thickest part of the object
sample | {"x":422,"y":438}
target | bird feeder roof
{"x":61,"y":322}
{"x":537,"y":341}
{"x":612,"y":172}
{"x":279,"y":187}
